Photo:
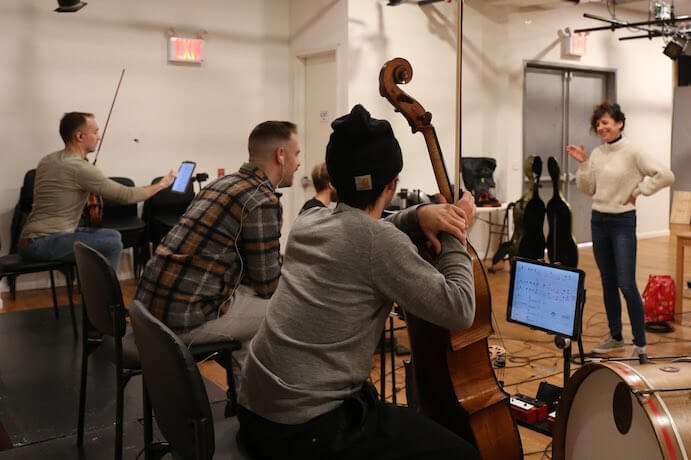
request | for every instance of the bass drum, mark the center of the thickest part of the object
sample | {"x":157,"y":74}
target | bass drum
{"x":608,"y":411}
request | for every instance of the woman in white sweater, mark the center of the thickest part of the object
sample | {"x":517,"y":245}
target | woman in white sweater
{"x":614,"y":175}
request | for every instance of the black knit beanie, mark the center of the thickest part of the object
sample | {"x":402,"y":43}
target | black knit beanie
{"x":362,"y":157}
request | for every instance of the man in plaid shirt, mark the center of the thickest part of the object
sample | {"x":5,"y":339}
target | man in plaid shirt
{"x":212,"y":275}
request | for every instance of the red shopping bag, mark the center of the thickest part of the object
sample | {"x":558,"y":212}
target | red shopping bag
{"x":658,"y":298}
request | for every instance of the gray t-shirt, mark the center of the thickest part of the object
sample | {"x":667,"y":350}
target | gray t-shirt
{"x":342,"y":271}
{"x":63,"y":181}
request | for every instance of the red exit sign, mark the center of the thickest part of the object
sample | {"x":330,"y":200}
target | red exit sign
{"x":181,"y":49}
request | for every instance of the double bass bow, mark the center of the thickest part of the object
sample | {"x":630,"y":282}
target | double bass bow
{"x":93,"y":211}
{"x":455,"y":381}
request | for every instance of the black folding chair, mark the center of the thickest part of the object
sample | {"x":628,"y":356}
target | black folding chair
{"x":104,"y":312}
{"x":125,"y":219}
{"x":13,"y":265}
{"x":178,"y":395}
{"x":163,"y":210}
{"x":103,"y":320}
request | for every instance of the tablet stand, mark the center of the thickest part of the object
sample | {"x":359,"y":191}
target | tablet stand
{"x":549,"y":393}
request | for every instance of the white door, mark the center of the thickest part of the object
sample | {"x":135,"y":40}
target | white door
{"x":320,"y":111}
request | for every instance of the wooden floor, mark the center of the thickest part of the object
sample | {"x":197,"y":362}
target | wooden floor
{"x":531,"y":356}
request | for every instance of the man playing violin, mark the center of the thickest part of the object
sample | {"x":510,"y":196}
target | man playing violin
{"x":63,"y":181}
{"x":304,"y":392}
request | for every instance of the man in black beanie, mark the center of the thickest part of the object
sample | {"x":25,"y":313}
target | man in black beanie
{"x":304,"y":392}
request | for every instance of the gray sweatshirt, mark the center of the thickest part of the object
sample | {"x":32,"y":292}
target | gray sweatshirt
{"x":342,"y":271}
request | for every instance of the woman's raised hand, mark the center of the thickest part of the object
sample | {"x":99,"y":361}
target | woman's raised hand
{"x":577,"y":152}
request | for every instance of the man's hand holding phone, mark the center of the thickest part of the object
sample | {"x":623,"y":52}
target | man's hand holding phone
{"x":183,"y":177}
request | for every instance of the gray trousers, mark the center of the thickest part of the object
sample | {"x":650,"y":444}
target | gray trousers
{"x":241,"y":322}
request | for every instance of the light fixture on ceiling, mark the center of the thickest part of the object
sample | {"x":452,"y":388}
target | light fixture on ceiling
{"x":662,"y":22}
{"x":69,"y":6}
{"x":675,"y":47}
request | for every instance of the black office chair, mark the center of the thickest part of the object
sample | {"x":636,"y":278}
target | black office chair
{"x":178,"y":395}
{"x":163,"y":210}
{"x":13,"y":265}
{"x":125,"y":219}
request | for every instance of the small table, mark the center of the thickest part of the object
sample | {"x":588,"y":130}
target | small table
{"x":683,"y":241}
{"x":486,"y":215}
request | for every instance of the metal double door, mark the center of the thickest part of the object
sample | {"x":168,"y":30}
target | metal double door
{"x":557,"y":106}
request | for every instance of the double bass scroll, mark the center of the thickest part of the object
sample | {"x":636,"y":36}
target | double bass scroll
{"x":455,"y":381}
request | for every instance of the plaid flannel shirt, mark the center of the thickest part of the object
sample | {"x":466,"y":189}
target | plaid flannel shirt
{"x":231,"y":230}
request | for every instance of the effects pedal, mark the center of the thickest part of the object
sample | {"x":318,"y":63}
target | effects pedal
{"x":528,"y":410}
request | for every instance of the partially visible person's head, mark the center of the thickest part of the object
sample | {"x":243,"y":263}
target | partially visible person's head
{"x":607,"y":113}
{"x":80,"y":128}
{"x":362,"y":157}
{"x":275,"y":143}
{"x":320,"y":177}
{"x":322,"y":182}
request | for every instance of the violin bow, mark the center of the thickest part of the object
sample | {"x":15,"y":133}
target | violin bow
{"x":105,"y":128}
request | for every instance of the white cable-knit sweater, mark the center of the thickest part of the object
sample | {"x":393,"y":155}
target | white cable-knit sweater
{"x":615,"y":172}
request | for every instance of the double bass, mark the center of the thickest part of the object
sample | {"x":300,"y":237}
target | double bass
{"x":454,"y":378}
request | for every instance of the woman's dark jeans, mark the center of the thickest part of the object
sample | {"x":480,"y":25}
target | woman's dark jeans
{"x":614,"y":245}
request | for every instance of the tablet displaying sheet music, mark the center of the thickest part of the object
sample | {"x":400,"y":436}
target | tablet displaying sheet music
{"x":546,"y":297}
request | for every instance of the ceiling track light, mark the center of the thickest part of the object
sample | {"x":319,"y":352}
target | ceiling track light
{"x":662,"y":22}
{"x":675,"y":47}
{"x":69,"y":6}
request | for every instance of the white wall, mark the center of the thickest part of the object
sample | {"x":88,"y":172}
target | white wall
{"x":321,"y":25}
{"x":424,"y":36}
{"x":644,"y":88}
{"x":497,"y":41}
{"x":316,"y":26}
{"x":61,"y":62}
{"x":55,"y":63}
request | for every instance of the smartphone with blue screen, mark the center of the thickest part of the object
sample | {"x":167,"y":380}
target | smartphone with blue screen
{"x":184,"y":176}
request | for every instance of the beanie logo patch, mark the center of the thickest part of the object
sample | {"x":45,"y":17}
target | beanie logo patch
{"x":363,"y":183}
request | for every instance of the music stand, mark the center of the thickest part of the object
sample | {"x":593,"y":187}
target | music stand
{"x":550,"y":298}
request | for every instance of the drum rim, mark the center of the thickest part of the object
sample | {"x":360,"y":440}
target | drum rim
{"x":654,"y":406}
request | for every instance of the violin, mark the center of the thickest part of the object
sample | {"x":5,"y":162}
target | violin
{"x":452,"y":373}
{"x":92,"y":215}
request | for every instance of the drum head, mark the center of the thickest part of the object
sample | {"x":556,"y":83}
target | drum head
{"x":606,"y":421}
